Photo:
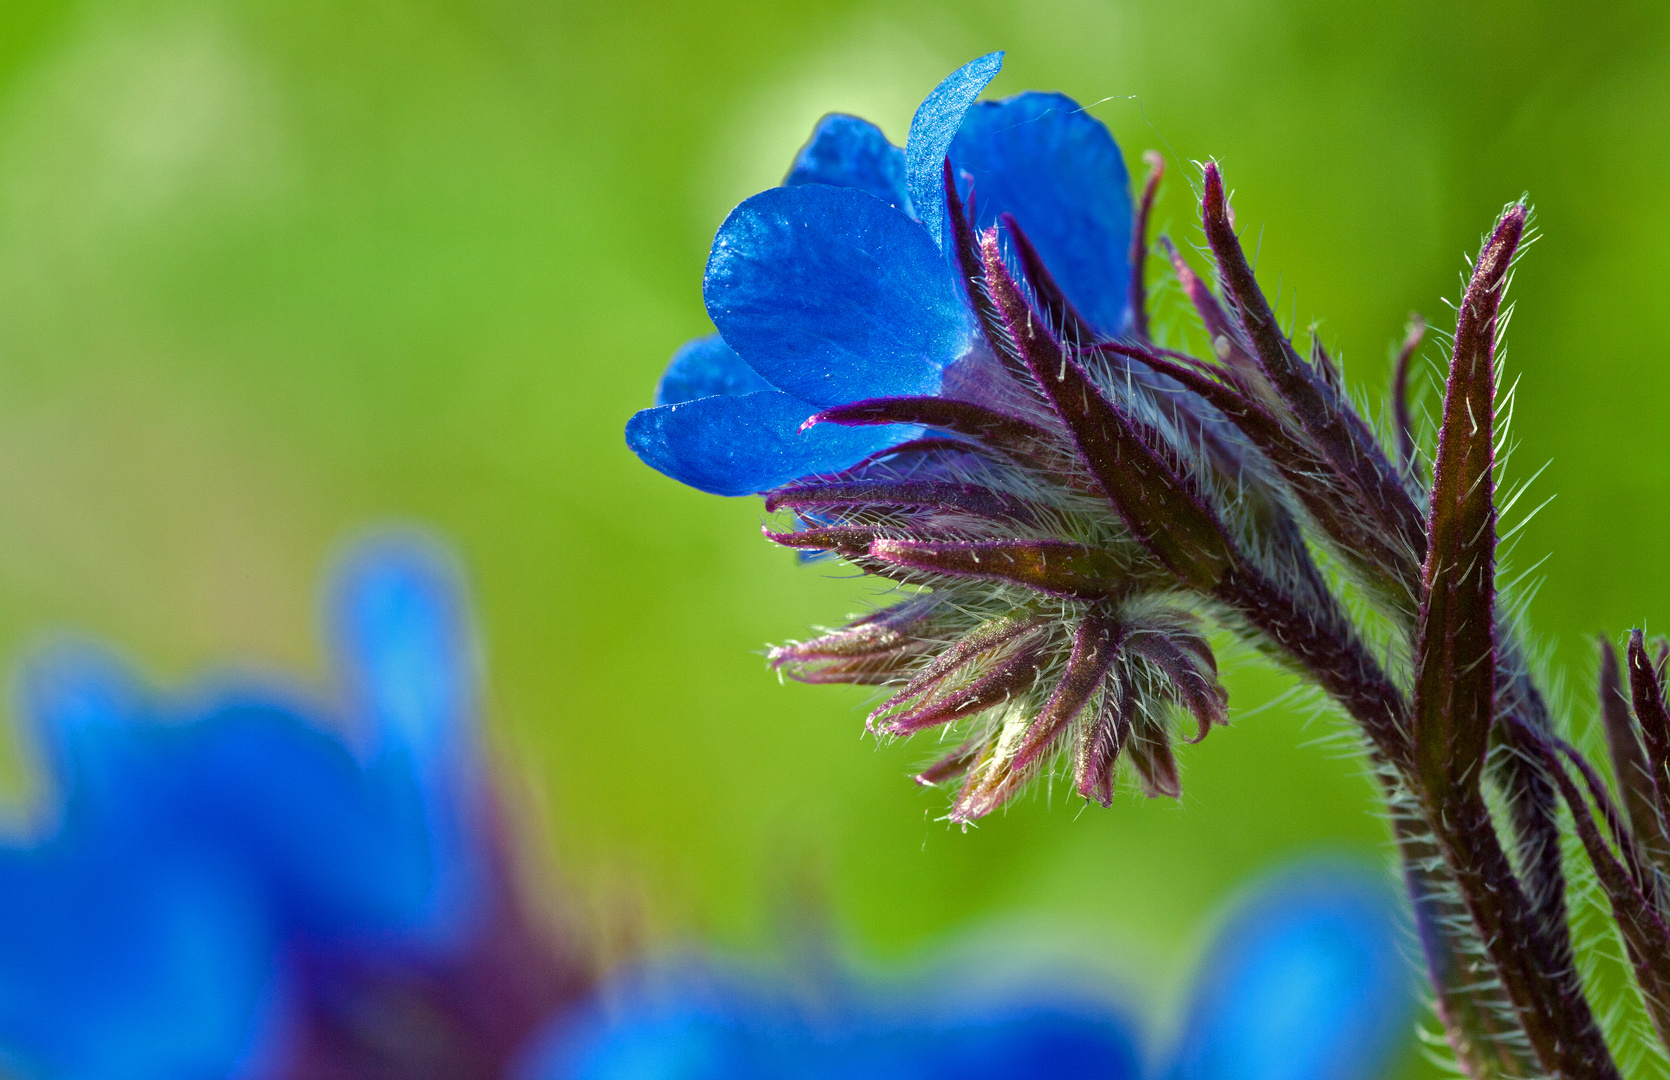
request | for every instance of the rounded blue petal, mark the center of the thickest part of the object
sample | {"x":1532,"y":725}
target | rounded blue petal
{"x":834,"y":296}
{"x":845,"y":151}
{"x":931,"y":131}
{"x":1056,"y":168}
{"x":745,"y":445}
{"x":1306,"y":982}
{"x":705,"y":367}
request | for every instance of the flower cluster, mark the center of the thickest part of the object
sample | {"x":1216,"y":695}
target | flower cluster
{"x":937,"y":363}
{"x":898,"y":329}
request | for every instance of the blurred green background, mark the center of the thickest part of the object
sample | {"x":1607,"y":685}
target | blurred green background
{"x":274,"y":271}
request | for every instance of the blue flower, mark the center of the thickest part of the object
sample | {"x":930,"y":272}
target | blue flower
{"x":718,"y":1028}
{"x":843,"y":285}
{"x":236,"y":881}
{"x":1303,"y":982}
{"x":936,"y":363}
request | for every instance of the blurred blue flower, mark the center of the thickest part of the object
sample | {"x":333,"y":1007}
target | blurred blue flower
{"x":842,"y":286}
{"x":704,"y":1025}
{"x":1304,"y":981}
{"x":236,"y":881}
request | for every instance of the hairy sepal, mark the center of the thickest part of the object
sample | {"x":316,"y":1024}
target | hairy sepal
{"x":1187,"y":664}
{"x":1095,"y":644}
{"x":1015,"y":673}
{"x":1455,"y":652}
{"x":984,"y":640}
{"x":1353,"y":537}
{"x":1629,"y":762}
{"x":1156,"y":765}
{"x":1345,"y":442}
{"x":936,"y":497}
{"x":875,"y":650}
{"x":1138,"y":287}
{"x":1101,"y":742}
{"x":951,"y":765}
{"x":1228,"y":344}
{"x":1647,"y":693}
{"x":847,"y":541}
{"x":1011,"y":435}
{"x":1150,"y":497}
{"x":1056,"y":568}
{"x":1052,"y":302}
{"x":1628,"y":885}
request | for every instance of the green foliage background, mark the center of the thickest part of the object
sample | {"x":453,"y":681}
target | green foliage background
{"x":273,"y":271}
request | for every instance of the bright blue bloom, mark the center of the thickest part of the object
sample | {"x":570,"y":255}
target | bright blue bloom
{"x":1304,"y":982}
{"x":216,"y":873}
{"x":839,"y":286}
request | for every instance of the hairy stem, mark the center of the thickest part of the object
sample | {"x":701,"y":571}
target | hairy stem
{"x":1476,"y":1013}
{"x":1543,"y":985}
{"x":1532,"y":965}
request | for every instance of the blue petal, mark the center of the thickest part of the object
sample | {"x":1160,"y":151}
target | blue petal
{"x":845,"y":151}
{"x":931,"y":131}
{"x":673,"y":1024}
{"x":744,"y":445}
{"x":82,"y":706}
{"x":692,"y":1045}
{"x":834,"y":296}
{"x":409,"y":662}
{"x":128,"y":962}
{"x":698,"y":1027}
{"x":338,"y":848}
{"x":705,"y":367}
{"x":1305,"y":983}
{"x":406,"y":653}
{"x":1054,"y":167}
{"x":342,"y":852}
{"x":1018,"y":1041}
